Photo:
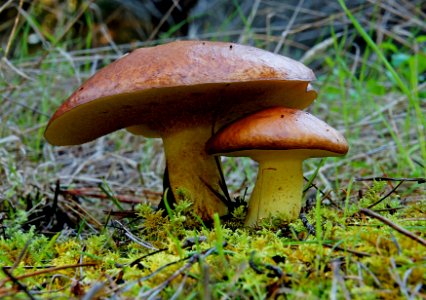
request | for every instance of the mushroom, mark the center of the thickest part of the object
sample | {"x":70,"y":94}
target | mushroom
{"x":279,"y":139}
{"x":179,"y":91}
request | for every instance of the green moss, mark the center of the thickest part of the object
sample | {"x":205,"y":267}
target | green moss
{"x":256,"y":262}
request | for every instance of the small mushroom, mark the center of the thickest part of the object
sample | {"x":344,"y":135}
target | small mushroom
{"x":279,"y":139}
{"x":179,"y":91}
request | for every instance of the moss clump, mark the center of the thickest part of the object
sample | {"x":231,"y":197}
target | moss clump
{"x":169,"y":252}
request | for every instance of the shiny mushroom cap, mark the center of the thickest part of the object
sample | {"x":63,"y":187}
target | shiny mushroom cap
{"x":278,"y":128}
{"x":155,"y":88}
{"x":280,"y":139}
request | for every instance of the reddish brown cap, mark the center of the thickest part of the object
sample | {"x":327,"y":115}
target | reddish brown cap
{"x":278,"y":128}
{"x":150,"y":85}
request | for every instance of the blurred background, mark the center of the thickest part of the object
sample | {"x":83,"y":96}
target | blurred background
{"x":292,"y":26}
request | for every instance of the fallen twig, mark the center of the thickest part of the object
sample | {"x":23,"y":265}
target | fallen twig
{"x":393,"y":225}
{"x":19,"y":284}
{"x":355,"y":252}
{"x":189,"y":242}
{"x":308,"y":226}
{"x":121,"y":198}
{"x":391,"y":209}
{"x":30,"y":267}
{"x":418,"y":179}
{"x":192,"y":259}
{"x":134,"y":238}
{"x":387,"y":195}
{"x":138,"y":260}
{"x":45,"y":271}
{"x":275,"y":271}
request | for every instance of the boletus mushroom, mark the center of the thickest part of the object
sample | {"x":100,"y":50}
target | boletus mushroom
{"x":179,"y":91}
{"x":279,"y":139}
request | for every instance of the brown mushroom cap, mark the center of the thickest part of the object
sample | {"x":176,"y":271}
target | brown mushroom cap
{"x":278,"y":128}
{"x":153,"y":87}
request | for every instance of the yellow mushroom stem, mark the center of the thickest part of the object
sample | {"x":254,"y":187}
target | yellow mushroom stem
{"x":278,"y":188}
{"x":279,"y":184}
{"x":191,"y":170}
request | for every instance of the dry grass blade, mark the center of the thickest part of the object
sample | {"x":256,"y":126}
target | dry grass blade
{"x":289,"y":26}
{"x":83,"y":214}
{"x":5,"y":5}
{"x":12,"y":34}
{"x":15,"y":69}
{"x":338,"y":279}
{"x":163,"y":19}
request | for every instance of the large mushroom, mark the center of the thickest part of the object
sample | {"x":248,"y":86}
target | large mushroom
{"x":279,"y":139}
{"x":179,"y":91}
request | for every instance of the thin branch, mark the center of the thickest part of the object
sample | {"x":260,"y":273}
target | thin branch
{"x":16,"y":281}
{"x":138,"y":260}
{"x":274,"y":271}
{"x":357,"y":253}
{"x":419,"y":180}
{"x":90,"y":193}
{"x":192,"y":259}
{"x":46,"y":271}
{"x":134,"y":238}
{"x":393,"y":225}
{"x":308,"y":226}
{"x":30,"y":267}
{"x":387,"y":195}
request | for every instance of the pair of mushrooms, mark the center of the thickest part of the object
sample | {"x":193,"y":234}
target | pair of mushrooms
{"x":181,"y":92}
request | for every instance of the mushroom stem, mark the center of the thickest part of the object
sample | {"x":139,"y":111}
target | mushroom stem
{"x":278,"y":189}
{"x":192,"y":172}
